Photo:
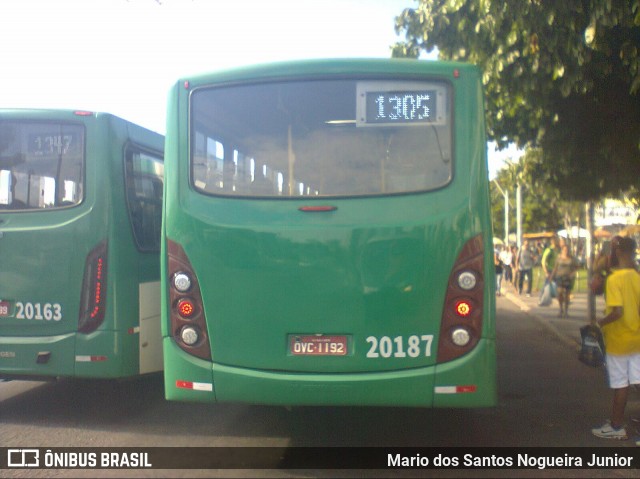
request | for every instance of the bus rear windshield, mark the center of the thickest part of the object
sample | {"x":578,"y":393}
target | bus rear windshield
{"x":321,"y":138}
{"x":41,"y":165}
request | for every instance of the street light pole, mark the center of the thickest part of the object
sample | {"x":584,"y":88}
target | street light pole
{"x":519,"y":215}
{"x":591,"y":299}
{"x":506,"y":212}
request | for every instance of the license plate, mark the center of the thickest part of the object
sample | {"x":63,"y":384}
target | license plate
{"x":5,"y":307}
{"x":317,"y":345}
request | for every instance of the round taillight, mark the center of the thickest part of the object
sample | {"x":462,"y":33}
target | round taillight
{"x":463,"y":308}
{"x":182,"y":282}
{"x":189,"y":336}
{"x":460,"y":337}
{"x":467,"y":280}
{"x":186,"y":308}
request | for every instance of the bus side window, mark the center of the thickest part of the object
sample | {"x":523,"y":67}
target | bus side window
{"x":144,"y":175}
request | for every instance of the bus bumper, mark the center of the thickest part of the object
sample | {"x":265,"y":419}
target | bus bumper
{"x":466,"y":382}
{"x":38,"y":357}
{"x":96,"y":355}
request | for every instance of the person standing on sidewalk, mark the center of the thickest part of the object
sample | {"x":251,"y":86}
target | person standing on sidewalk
{"x":564,"y":274}
{"x":506,"y":256}
{"x":499,"y":270}
{"x":621,"y":331}
{"x":549,"y":256}
{"x":525,"y":262}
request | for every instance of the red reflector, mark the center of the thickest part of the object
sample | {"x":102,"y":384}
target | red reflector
{"x":316,"y":209}
{"x":463,"y":308}
{"x":184,"y":384}
{"x":185,"y":308}
{"x":456,"y":73}
{"x":466,"y":389}
{"x":98,"y":358}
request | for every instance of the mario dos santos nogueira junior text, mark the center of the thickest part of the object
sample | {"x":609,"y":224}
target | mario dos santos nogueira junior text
{"x":518,"y":460}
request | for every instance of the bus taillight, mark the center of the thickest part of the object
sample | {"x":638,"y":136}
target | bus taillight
{"x":186,"y":308}
{"x":93,"y":298}
{"x":461,"y":324}
{"x":188,"y":324}
{"x":463,"y":308}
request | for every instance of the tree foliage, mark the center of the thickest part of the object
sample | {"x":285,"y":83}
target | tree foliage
{"x":564,"y":76}
{"x":543,"y":208}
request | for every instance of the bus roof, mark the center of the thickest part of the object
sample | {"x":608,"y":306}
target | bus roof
{"x":332,"y":67}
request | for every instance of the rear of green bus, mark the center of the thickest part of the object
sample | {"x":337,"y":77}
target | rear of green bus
{"x":327,"y":237}
{"x":73,"y":278}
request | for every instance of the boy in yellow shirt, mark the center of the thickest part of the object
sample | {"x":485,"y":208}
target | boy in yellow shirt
{"x":621,"y":331}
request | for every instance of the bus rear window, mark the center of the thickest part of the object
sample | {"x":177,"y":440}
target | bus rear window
{"x":41,"y":165}
{"x":321,"y":138}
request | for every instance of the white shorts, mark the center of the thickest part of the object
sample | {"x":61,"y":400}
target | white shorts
{"x":623,"y":370}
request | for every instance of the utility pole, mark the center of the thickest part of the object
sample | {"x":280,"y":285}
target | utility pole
{"x":519,"y":215}
{"x":506,"y":211}
{"x":589,"y":210}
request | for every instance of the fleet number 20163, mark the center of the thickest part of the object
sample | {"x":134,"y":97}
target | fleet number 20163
{"x":39,"y":311}
{"x":400,"y":347}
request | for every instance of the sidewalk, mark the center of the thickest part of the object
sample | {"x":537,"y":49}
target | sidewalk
{"x":567,"y":329}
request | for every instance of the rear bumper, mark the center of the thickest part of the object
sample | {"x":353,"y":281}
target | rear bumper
{"x":466,"y":382}
{"x":103,"y":354}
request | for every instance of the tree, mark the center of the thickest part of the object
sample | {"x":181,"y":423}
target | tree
{"x":564,"y":76}
{"x":543,"y":208}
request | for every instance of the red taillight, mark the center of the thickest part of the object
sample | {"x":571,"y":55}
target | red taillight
{"x":97,"y":285}
{"x":461,"y":325}
{"x":463,"y":308}
{"x":188,"y":323}
{"x":186,"y":308}
{"x":94,"y":289}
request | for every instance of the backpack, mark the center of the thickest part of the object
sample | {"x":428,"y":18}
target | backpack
{"x":592,"y":350}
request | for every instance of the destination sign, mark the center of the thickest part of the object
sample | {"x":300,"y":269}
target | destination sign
{"x":401,"y":103}
{"x":401,"y":107}
{"x":53,"y":144}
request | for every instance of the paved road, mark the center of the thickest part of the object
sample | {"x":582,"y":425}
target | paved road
{"x":546,"y":398}
{"x":566,"y":329}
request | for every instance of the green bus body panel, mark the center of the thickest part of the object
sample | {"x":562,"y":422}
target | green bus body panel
{"x":375,"y":267}
{"x":43,"y":262}
{"x":410,"y":387}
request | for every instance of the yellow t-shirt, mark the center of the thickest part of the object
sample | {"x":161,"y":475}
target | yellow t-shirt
{"x":622,"y":337}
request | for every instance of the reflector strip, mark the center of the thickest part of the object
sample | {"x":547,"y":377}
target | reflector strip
{"x":317,"y":209}
{"x":90,"y":359}
{"x":195,"y":386}
{"x":134,"y":330}
{"x":471,"y":388}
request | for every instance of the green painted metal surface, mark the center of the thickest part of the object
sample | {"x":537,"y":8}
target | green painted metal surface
{"x":44,"y":250}
{"x":374,"y":270}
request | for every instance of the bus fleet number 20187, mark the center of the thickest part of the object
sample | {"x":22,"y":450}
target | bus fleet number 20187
{"x":400,"y":347}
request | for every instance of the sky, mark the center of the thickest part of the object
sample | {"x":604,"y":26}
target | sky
{"x":122,"y":56}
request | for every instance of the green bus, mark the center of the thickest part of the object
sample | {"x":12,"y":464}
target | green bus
{"x":327,"y":236}
{"x":80,"y":222}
